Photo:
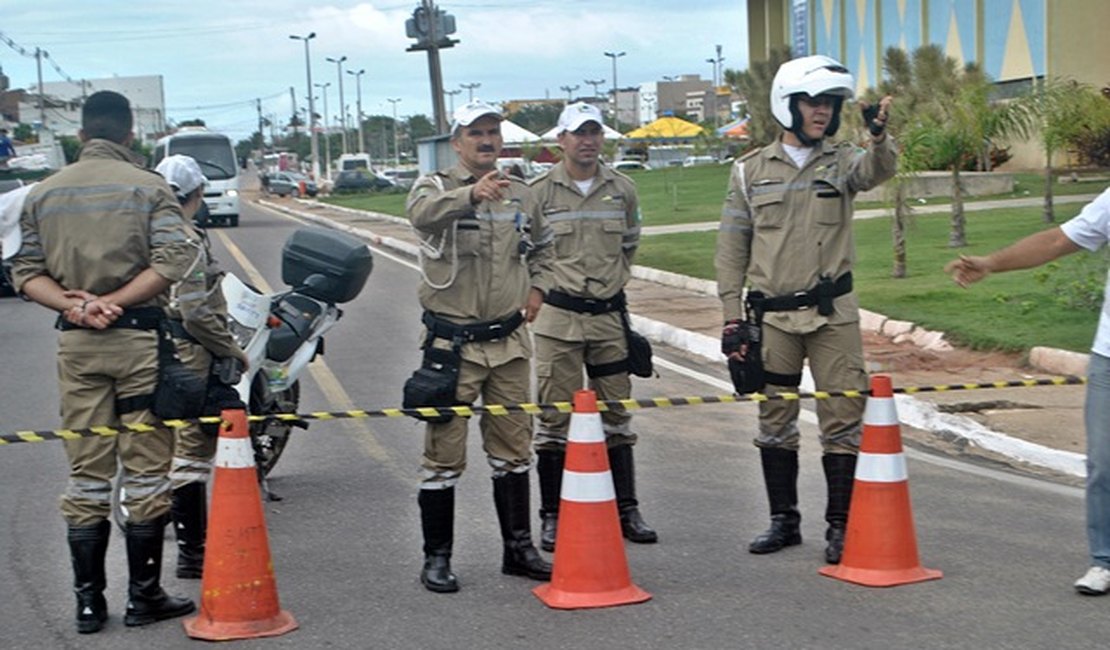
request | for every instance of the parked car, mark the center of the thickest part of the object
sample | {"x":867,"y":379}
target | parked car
{"x":289,"y":184}
{"x":355,"y":180}
{"x":694,"y":161}
{"x":630,"y":165}
{"x":402,"y":178}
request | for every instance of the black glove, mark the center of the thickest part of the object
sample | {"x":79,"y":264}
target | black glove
{"x":732,"y":336}
{"x":219,"y":397}
{"x":870,"y":115}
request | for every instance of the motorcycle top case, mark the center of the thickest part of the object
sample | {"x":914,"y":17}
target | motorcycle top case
{"x":343,"y":260}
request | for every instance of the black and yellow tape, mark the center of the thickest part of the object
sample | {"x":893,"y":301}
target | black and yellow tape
{"x":530,"y":408}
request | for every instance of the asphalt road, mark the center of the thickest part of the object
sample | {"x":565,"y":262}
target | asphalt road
{"x":345,"y":540}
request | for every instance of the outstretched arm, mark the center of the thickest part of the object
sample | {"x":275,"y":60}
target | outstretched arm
{"x":1032,"y":251}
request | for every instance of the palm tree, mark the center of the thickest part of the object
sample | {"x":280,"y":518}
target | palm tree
{"x":754,"y":84}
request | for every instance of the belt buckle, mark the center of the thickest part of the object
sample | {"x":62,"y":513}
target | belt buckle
{"x":801,"y":296}
{"x":495,"y":329}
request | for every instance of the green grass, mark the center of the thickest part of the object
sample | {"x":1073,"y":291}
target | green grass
{"x":1010,"y":311}
{"x":385,"y":202}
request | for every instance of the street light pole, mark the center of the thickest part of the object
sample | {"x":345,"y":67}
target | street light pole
{"x":327,"y":135}
{"x":616,"y":105}
{"x":470,"y":87}
{"x":569,"y":90}
{"x":451,"y":94}
{"x":343,"y":122}
{"x":396,"y":150}
{"x":595,"y":83}
{"x":358,"y":107}
{"x":311,"y":106}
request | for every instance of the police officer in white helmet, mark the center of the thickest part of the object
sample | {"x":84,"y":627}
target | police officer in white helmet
{"x":786,"y":237}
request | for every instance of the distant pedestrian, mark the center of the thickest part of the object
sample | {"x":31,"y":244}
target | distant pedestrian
{"x":7,"y":149}
{"x":1090,"y":230}
{"x":786,"y":231}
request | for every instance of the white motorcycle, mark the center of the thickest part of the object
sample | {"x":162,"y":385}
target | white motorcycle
{"x":283,"y":332}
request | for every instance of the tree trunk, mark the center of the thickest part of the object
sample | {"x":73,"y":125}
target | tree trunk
{"x":1049,"y":210}
{"x":957,"y":238}
{"x":898,"y":231}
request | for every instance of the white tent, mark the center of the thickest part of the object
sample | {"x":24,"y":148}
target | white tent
{"x":609,"y":133}
{"x":515,"y":134}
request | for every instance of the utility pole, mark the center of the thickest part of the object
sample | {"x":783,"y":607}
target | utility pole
{"x":358,"y":107}
{"x":396,"y":150}
{"x":311,"y":106}
{"x":327,"y":136}
{"x":39,"y":53}
{"x":595,"y":83}
{"x":293,"y":120}
{"x":451,"y":94}
{"x":342,"y":111}
{"x":430,"y":27}
{"x":616,"y":89}
{"x":470,"y":90}
{"x":261,"y":135}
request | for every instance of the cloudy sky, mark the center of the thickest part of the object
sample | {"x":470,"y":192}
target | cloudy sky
{"x":217,"y":57}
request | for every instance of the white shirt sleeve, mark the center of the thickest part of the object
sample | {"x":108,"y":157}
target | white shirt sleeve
{"x":1090,"y":229}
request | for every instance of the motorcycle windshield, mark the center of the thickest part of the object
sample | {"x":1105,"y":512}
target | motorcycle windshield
{"x":245,"y":305}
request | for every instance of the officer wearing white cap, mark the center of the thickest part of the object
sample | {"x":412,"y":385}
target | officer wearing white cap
{"x":485,"y":263}
{"x":595,"y":215}
{"x":197,"y":315}
{"x":786,"y":233}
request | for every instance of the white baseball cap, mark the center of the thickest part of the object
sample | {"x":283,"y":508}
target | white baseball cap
{"x":577,"y":114}
{"x":466,"y":114}
{"x":182,"y":173}
{"x":11,"y":205}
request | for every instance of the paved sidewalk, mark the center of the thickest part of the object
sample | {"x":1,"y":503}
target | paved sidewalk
{"x":1039,"y":429}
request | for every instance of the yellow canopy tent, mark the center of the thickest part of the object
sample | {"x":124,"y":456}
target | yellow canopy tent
{"x":666,"y":128}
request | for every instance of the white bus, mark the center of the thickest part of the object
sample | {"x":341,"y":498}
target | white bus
{"x":215,"y":154}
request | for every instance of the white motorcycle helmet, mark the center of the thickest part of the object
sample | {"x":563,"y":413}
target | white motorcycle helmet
{"x":813,"y":76}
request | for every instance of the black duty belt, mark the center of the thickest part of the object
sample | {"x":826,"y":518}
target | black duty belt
{"x":138,"y":318}
{"x":593,"y":306}
{"x":178,"y":331}
{"x":825,"y":290}
{"x":471,"y":332}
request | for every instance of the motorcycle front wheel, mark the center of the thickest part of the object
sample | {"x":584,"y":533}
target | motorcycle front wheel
{"x":269,"y":436}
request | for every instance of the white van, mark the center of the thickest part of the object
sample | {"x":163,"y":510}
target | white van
{"x":215,"y":154}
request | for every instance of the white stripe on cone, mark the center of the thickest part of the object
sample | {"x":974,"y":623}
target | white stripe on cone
{"x":585,"y":427}
{"x":880,"y":412}
{"x":587,"y":487}
{"x":234,"y":453}
{"x":881,"y":468}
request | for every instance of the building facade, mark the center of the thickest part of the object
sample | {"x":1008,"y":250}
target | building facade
{"x":58,"y":108}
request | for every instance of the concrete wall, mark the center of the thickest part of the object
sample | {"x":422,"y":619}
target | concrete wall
{"x":930,"y":184}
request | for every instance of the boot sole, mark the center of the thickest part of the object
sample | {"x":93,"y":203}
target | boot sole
{"x":525,"y":573}
{"x":138,"y":621}
{"x":91,"y":627}
{"x":439,"y":589}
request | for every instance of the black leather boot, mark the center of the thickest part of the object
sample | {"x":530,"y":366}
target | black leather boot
{"x":147,"y":602}
{"x":549,"y":466}
{"x":437,"y":519}
{"x":87,"y":547}
{"x":189,"y":511}
{"x":780,"y":473}
{"x":840,"y":473}
{"x":624,"y":484}
{"x":511,"y":494}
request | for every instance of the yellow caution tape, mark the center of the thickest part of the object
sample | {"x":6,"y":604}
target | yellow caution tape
{"x":529,"y":408}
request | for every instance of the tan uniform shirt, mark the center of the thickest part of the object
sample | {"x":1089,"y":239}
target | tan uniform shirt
{"x":596,"y":236}
{"x":782,"y":227}
{"x":479,"y":273}
{"x":101,"y":221}
{"x":198,"y":302}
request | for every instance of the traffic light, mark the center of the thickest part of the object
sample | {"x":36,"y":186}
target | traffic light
{"x":421,"y":28}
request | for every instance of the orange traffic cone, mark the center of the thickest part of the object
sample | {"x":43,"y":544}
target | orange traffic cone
{"x":238,"y":592}
{"x":590,"y":568}
{"x":880,"y":545}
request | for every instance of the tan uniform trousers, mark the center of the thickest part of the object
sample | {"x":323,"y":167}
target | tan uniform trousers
{"x":506,"y":439}
{"x":835,"y":354}
{"x":193,"y":450}
{"x":559,"y":369}
{"x":94,"y":369}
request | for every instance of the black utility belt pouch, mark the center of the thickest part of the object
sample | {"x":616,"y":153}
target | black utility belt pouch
{"x":639,"y":350}
{"x":434,"y":383}
{"x":180,"y":392}
{"x":747,"y":374}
